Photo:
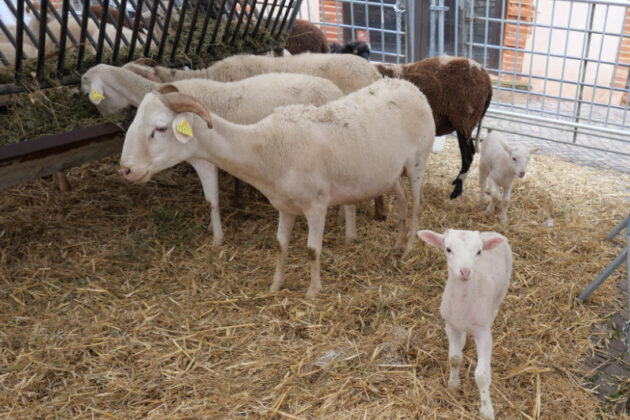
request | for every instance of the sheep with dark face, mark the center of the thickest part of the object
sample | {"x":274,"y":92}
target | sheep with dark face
{"x":459,"y":91}
{"x":306,"y":37}
{"x":355,"y":47}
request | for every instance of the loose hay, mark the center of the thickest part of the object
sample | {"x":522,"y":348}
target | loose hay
{"x":115,"y":303}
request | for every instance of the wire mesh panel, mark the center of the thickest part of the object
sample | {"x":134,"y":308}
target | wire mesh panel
{"x":561,"y":68}
{"x":59,"y":39}
{"x":381,"y":24}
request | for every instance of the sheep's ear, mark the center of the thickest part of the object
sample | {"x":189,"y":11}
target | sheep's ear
{"x":183,"y":127}
{"x":97,"y":91}
{"x":432,"y":238}
{"x":491,"y":243}
{"x":534,"y":150}
{"x":506,"y":146}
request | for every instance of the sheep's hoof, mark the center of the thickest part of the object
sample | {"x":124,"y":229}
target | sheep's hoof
{"x":459,"y":187}
{"x":274,"y":288}
{"x":217,"y":240}
{"x":350,"y":240}
{"x":312,"y":292}
{"x":453,"y":383}
{"x":486,"y":410}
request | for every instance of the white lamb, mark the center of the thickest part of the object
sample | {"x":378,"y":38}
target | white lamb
{"x":302,"y":158}
{"x":349,"y":72}
{"x":500,"y":164}
{"x":245,"y":102}
{"x":479,"y":270}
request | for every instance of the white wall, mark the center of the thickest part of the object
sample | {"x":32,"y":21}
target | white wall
{"x":554,"y":40}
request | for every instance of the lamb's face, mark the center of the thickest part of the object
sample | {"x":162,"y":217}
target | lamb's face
{"x":519,"y":157}
{"x":106,"y":99}
{"x":151,"y":144}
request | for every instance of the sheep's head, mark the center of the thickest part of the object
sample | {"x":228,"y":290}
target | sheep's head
{"x":163,"y":133}
{"x":94,"y":83}
{"x":463,"y":249}
{"x":519,"y":157}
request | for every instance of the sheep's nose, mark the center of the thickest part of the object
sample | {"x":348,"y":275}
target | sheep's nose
{"x":125,"y":171}
{"x":521,"y":174}
{"x":465,"y":273}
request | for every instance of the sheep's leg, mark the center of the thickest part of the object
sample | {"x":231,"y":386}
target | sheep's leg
{"x":209,"y":177}
{"x":415,"y":174}
{"x":401,"y":199}
{"x":62,"y":182}
{"x":505,"y":203}
{"x":237,"y":195}
{"x":494,"y":195}
{"x":456,"y":343}
{"x":341,"y":217}
{"x":285,"y":227}
{"x":483,"y":372}
{"x":467,"y":150}
{"x":483,"y":182}
{"x":380,"y":208}
{"x":350,"y":212}
{"x":316,"y":219}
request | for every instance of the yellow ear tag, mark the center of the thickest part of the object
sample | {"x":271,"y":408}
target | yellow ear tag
{"x":184,"y":128}
{"x":97,"y":96}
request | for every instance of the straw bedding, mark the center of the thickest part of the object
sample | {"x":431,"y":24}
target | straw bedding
{"x":116,"y":304}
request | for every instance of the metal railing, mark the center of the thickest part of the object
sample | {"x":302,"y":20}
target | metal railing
{"x":163,"y":29}
{"x":381,"y":24}
{"x":559,"y":65}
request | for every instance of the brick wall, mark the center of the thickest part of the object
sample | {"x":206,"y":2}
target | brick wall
{"x":333,"y":14}
{"x":621,"y":76}
{"x":511,"y":61}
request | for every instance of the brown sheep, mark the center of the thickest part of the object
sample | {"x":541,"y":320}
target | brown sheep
{"x":459,"y":91}
{"x":306,"y":37}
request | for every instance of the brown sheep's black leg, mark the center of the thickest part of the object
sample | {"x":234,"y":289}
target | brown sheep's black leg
{"x":467,"y":150}
{"x":380,"y":209}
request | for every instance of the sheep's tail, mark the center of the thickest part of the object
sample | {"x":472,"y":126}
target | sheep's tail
{"x":481,"y":119}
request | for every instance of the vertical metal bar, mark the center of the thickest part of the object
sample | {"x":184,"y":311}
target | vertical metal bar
{"x":339,"y":37}
{"x":614,"y":76}
{"x":286,"y":16}
{"x":485,"y":36}
{"x":564,"y":60}
{"x":382,"y":31}
{"x":399,"y":12}
{"x":62,"y":36}
{"x":432,"y":28}
{"x":19,"y":40}
{"x":516,"y":49}
{"x":84,"y":23}
{"x":101,"y":34}
{"x":136,"y":28}
{"x":41,"y":51}
{"x":587,"y":47}
{"x":599,"y":59}
{"x":240,"y":21}
{"x":250,"y":17}
{"x":270,"y":14}
{"x":37,"y":15}
{"x":122,"y":12}
{"x":260,"y":17}
{"x":441,"y":28}
{"x":180,"y":26}
{"x":226,"y":30}
{"x":470,"y":25}
{"x":204,"y":29}
{"x":193,"y":25}
{"x":147,"y":45}
{"x":497,"y":97}
{"x":533,"y":55}
{"x":277,"y":19}
{"x":456,"y":32}
{"x":167,"y":22}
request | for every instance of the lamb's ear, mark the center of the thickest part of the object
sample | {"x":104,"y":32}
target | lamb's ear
{"x":432,"y":238}
{"x":534,"y":150}
{"x":491,"y":243}
{"x":506,"y":146}
{"x":183,"y":126}
{"x":97,"y":91}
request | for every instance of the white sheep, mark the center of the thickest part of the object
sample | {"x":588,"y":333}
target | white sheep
{"x":302,"y":158}
{"x":348,"y":72}
{"x":245,"y":102}
{"x":479,"y":270}
{"x":499,"y":165}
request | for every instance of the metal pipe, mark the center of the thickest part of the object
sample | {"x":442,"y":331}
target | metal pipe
{"x":625,"y":222}
{"x":582,"y":77}
{"x":603,"y":275}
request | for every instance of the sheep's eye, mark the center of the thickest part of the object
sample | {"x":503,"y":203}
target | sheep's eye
{"x":158,"y":130}
{"x":514,"y":159}
{"x":448,"y":250}
{"x":479,"y":252}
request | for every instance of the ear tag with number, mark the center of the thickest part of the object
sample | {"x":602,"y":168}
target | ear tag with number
{"x":185,"y":128}
{"x":97,"y":96}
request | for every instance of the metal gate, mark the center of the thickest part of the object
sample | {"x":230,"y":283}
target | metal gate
{"x":560,"y":68}
{"x":381,"y":23}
